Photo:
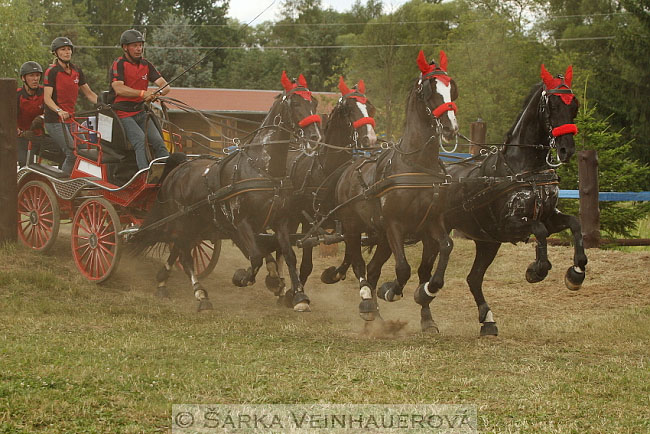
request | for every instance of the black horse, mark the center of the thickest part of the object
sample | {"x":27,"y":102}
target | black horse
{"x":349,"y":128}
{"x":235,"y":197}
{"x":512,"y":193}
{"x":400,"y":194}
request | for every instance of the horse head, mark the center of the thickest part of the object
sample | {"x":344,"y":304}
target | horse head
{"x":438,"y":91}
{"x":559,"y":107}
{"x":297,"y":108}
{"x":355,"y":110}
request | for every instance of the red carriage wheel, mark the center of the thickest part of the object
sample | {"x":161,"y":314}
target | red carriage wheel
{"x":96,"y":244}
{"x":38,"y":216}
{"x":205,"y":257}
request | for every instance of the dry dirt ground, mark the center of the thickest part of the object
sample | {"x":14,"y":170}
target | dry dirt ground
{"x":614,"y":279}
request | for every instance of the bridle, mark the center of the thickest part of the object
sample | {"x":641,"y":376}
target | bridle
{"x":424,"y":92}
{"x":355,"y":125}
{"x":557,"y":131}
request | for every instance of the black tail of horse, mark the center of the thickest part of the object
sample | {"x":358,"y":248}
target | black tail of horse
{"x":173,"y":161}
{"x":149,"y":236}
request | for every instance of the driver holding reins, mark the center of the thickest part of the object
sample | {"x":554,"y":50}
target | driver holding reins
{"x":130,"y":77}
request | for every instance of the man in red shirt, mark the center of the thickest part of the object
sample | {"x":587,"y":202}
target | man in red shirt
{"x":130,"y":77}
{"x":63,"y":80}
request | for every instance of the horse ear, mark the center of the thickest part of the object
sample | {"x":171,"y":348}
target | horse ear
{"x":568,"y":75}
{"x":443,"y":60}
{"x":547,"y":78}
{"x":286,"y":83}
{"x":302,"y":82}
{"x":343,"y":87}
{"x":361,"y":87}
{"x":422,"y":63}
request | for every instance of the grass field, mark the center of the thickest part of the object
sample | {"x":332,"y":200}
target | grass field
{"x":77,"y":357}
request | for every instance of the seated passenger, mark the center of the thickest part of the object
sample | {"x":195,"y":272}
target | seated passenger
{"x":130,"y":77}
{"x":30,"y":108}
{"x":63,"y":80}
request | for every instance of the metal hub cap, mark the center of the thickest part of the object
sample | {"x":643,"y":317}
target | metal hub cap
{"x":33,"y":218}
{"x":92,"y":240}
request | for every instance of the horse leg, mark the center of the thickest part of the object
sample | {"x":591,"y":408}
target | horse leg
{"x":306,"y":264}
{"x":392,"y":291}
{"x":274,"y":282}
{"x":429,"y":254}
{"x":248,"y":245}
{"x":486,"y":251}
{"x":445,"y":246}
{"x":538,"y":270}
{"x":199,"y":292}
{"x":334,"y":274}
{"x":163,"y":274}
{"x":369,"y":308}
{"x":575,"y":275}
{"x":299,"y":300}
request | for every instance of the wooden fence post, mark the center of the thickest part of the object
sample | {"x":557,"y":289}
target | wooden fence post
{"x":477,"y":134}
{"x":589,"y":210}
{"x":8,"y":193}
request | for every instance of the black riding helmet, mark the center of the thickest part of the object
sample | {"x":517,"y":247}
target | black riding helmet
{"x":59,"y":42}
{"x":131,"y":36}
{"x":29,"y":67}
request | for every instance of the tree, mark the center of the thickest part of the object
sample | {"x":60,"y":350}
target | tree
{"x":171,"y":62}
{"x":19,"y":41}
{"x":617,"y":171}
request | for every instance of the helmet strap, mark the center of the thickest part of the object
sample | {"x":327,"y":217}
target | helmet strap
{"x":129,"y":57}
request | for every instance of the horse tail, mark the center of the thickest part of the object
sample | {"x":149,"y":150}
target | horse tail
{"x":173,"y":161}
{"x":147,"y":237}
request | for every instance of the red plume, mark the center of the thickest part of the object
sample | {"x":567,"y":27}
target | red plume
{"x":286,"y":83}
{"x":361,"y":87}
{"x":568,"y":75}
{"x":343,"y":87}
{"x":443,"y":60}
{"x":547,"y":78}
{"x":302,"y":82}
{"x":423,"y":64}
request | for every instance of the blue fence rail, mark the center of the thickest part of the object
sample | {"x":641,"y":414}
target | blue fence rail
{"x":603,"y":196}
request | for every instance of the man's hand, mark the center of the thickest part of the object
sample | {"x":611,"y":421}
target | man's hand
{"x":149,"y":95}
{"x":63,"y":115}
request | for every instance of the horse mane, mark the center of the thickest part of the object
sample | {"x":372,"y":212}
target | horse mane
{"x":531,"y":94}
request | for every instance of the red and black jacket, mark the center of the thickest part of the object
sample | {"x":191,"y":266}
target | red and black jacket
{"x":136,"y":76}
{"x":29,"y":106}
{"x":65,"y":89}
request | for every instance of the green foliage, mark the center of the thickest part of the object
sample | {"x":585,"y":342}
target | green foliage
{"x":171,"y":62}
{"x":19,"y":41}
{"x":617,"y":171}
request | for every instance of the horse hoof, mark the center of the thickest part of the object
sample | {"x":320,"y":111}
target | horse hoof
{"x":429,"y":326}
{"x":573,"y":278}
{"x":388,"y":292}
{"x":162,"y":275}
{"x":162,"y":292}
{"x":204,"y":304}
{"x":489,"y":329}
{"x":368,"y":309}
{"x":532,"y":274}
{"x":421,"y":297}
{"x":329,"y":276}
{"x":299,"y":297}
{"x":275,"y":284}
{"x":240,"y":278}
{"x":302,"y":307}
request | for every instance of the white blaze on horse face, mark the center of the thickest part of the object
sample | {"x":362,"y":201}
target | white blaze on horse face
{"x":372,"y":137}
{"x":445,"y":91}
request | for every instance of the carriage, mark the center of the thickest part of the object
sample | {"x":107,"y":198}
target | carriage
{"x":104,"y":199}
